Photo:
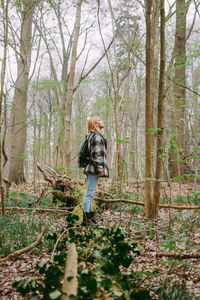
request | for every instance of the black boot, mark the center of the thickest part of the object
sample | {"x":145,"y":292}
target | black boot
{"x":92,"y":218}
{"x":86,"y":219}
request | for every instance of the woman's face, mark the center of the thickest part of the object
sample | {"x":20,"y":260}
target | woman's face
{"x":101,"y":123}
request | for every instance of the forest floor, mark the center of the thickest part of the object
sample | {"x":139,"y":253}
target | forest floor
{"x":175,"y":231}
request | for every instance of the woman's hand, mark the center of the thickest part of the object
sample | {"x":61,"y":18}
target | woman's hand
{"x":101,"y":174}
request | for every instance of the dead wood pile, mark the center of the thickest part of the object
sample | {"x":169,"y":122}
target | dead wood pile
{"x":63,"y":187}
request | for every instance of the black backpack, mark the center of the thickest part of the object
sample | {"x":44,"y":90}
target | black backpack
{"x":84,"y":154}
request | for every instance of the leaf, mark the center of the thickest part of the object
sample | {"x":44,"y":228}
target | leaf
{"x":33,"y":283}
{"x":56,"y":191}
{"x":117,"y":293}
{"x":145,"y":273}
{"x":167,"y":246}
{"x":18,"y":279}
{"x":169,"y":262}
{"x":42,"y":263}
{"x":196,"y":194}
{"x":61,"y":169}
{"x":124,"y":141}
{"x":34,"y":297}
{"x":26,"y":283}
{"x":55,"y":295}
{"x":177,"y":178}
{"x":188,"y":265}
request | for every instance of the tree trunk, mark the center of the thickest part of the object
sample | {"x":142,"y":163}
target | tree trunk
{"x":116,"y":88}
{"x":19,"y":107}
{"x":3,"y":73}
{"x":155,"y":68}
{"x":160,"y":117}
{"x":176,"y":167}
{"x":70,"y":86}
{"x":148,"y":113}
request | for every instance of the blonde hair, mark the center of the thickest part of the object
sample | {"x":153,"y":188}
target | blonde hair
{"x":93,"y":124}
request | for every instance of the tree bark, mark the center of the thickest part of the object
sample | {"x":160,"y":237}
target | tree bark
{"x":70,"y":287}
{"x":176,"y":167}
{"x":19,"y":107}
{"x":70,"y":86}
{"x":160,"y":117}
{"x":148,"y":113}
{"x":3,"y":72}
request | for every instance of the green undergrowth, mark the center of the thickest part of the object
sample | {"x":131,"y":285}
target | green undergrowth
{"x":24,"y":200}
{"x":104,"y":267}
{"x":187,"y":200}
{"x":17,"y":233}
{"x":175,"y":292}
{"x":20,"y":230}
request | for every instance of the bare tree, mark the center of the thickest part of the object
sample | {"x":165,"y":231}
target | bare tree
{"x":176,"y":167}
{"x":70,"y":85}
{"x":160,"y":117}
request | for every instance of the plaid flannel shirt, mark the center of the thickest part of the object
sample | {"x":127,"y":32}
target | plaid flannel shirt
{"x":98,"y":146}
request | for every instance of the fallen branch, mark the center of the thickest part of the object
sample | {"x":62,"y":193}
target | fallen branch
{"x":36,"y":209}
{"x":70,"y":287}
{"x":118,"y":200}
{"x":178,"y":207}
{"x":176,"y":255}
{"x":17,"y":253}
{"x":142,"y":203}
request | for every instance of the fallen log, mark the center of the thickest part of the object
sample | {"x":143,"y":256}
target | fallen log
{"x":14,"y":255}
{"x":142,"y":203}
{"x":70,"y":287}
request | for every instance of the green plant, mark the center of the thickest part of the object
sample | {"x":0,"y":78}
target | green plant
{"x":187,"y":199}
{"x":23,"y":200}
{"x":103,"y":254}
{"x":175,"y":292}
{"x":16,"y":233}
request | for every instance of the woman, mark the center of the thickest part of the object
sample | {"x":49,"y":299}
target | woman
{"x":96,"y":167}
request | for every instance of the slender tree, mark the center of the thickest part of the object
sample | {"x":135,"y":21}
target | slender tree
{"x":3,"y":72}
{"x":70,"y":86}
{"x":148,"y":113}
{"x":160,"y":117}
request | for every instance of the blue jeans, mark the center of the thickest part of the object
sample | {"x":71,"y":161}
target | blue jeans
{"x":92,"y":180}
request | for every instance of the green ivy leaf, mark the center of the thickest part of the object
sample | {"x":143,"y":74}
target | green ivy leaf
{"x":18,"y":279}
{"x":34,"y":297}
{"x":55,"y":295}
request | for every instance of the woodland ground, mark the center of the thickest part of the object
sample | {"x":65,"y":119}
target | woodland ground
{"x":175,"y":231}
